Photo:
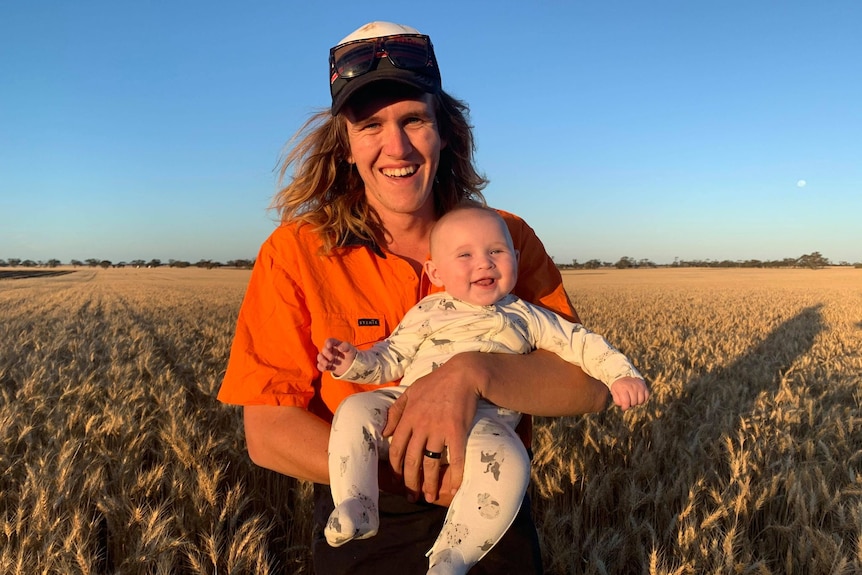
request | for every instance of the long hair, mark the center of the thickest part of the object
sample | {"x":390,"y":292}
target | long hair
{"x":325,"y":191}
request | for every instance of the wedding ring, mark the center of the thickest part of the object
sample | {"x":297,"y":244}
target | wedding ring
{"x":433,"y":454}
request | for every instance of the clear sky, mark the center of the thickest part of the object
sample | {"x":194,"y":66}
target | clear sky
{"x":692,"y":129}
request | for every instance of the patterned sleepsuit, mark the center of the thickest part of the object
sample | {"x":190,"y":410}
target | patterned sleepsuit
{"x":497,"y":467}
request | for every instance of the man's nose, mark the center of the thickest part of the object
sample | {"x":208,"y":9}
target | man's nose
{"x":396,"y":143}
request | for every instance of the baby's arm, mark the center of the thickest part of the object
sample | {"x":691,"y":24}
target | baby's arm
{"x":383,"y":362}
{"x":629,"y":392}
{"x":336,"y":356}
{"x":575,"y":343}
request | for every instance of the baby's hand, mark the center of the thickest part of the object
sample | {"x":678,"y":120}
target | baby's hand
{"x":335,"y":356}
{"x":629,"y":392}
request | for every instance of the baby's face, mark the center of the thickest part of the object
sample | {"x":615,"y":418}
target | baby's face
{"x":473,"y":257}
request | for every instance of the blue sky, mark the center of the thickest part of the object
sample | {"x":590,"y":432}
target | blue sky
{"x":691,"y":129}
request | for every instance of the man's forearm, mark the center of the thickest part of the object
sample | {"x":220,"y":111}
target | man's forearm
{"x":539,"y":383}
{"x":288,"y":440}
{"x":294,"y":442}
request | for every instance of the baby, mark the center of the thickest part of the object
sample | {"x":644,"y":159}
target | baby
{"x":473,"y":258}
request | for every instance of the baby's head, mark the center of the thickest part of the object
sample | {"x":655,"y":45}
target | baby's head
{"x":472,"y":255}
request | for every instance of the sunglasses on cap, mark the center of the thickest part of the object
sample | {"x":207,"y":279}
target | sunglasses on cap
{"x":404,"y":51}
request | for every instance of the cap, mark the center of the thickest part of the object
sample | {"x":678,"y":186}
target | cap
{"x":426,"y":80}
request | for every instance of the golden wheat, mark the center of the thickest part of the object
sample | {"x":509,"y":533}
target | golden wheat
{"x":116,"y":458}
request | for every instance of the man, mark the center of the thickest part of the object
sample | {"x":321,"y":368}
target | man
{"x":371,"y":177}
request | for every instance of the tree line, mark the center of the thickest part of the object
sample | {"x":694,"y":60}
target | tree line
{"x":814,"y":260}
{"x":153,"y":263}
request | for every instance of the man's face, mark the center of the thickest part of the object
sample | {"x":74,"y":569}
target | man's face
{"x":395,"y":145}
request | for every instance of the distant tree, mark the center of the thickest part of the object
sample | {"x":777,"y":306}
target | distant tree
{"x":120,"y":265}
{"x":52,"y":263}
{"x":625,"y":262}
{"x":92,"y":262}
{"x":645,"y":263}
{"x":178,"y":264}
{"x":812,"y":261}
{"x":138,"y":263}
{"x":154,"y":263}
{"x":14,"y":262}
{"x":208,"y":264}
{"x":105,"y":264}
{"x":592,"y":264}
{"x":3,"y":263}
{"x":28,"y":264}
{"x":244,"y":264}
{"x":76,"y":263}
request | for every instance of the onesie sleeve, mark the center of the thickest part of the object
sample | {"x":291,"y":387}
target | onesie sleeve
{"x":387,"y":360}
{"x":576,"y":344}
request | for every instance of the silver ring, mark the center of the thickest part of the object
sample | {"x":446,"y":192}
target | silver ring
{"x":433,"y":454}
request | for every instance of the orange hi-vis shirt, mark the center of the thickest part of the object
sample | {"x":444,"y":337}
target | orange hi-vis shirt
{"x":297,"y":297}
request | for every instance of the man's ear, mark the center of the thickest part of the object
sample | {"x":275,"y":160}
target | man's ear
{"x":431,"y":272}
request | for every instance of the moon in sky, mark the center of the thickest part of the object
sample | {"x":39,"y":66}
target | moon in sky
{"x":801,"y":184}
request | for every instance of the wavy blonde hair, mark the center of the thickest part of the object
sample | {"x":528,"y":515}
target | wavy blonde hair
{"x":326,"y":192}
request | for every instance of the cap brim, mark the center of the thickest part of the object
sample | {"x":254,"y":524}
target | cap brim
{"x":405,"y":77}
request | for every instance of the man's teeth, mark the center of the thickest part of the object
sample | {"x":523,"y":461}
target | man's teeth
{"x":398,"y":172}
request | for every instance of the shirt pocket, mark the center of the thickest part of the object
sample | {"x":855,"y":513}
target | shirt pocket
{"x":360,"y":329}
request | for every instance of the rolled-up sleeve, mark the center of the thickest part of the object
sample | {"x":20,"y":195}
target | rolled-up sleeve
{"x":272,"y":356}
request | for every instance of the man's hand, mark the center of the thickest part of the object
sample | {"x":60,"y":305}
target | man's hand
{"x":434,"y":414}
{"x":438,"y":409}
{"x":629,"y":392}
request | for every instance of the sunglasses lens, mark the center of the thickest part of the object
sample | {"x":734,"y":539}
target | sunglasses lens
{"x":408,"y":53}
{"x":357,"y":58}
{"x":354,"y":59}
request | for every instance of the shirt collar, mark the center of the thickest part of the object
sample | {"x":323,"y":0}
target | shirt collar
{"x":353,"y":241}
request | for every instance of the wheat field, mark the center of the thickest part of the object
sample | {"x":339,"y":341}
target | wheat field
{"x":116,"y":458}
